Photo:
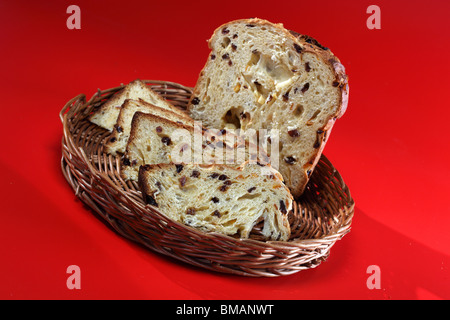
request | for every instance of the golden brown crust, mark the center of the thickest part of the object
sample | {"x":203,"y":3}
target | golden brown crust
{"x":138,"y":115}
{"x":109,"y":146}
{"x":341,"y":82}
{"x":105,"y":106}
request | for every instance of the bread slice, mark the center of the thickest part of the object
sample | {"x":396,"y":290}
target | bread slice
{"x":154,"y":140}
{"x":106,"y":115}
{"x":118,"y":141}
{"x":219,"y":198}
{"x":262,"y":76}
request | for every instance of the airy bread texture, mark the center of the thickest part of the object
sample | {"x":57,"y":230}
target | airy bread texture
{"x":106,"y":116}
{"x":118,"y":141}
{"x":154,"y":140}
{"x":262,"y":76}
{"x":219,"y":198}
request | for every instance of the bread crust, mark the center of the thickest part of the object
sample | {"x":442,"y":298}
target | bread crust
{"x":341,"y":82}
{"x":111,"y":145}
{"x":106,"y":115}
{"x":261,"y":156}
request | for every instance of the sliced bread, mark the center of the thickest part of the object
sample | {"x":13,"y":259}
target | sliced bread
{"x":154,"y":140}
{"x":219,"y":198}
{"x":118,"y":140}
{"x":106,"y":115}
{"x":262,"y":76}
{"x":151,"y":141}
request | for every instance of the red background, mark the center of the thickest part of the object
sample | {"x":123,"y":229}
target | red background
{"x":391,"y":146}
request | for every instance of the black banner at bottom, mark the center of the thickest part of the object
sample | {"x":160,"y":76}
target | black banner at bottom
{"x":211,"y":309}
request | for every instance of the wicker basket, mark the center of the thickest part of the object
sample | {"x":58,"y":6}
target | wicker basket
{"x":320,"y":217}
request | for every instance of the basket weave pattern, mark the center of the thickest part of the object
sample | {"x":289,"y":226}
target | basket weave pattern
{"x":321,"y":216}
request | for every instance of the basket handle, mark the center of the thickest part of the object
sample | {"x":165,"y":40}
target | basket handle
{"x":80,"y":97}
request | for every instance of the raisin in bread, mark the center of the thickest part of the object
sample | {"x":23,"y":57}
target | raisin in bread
{"x":118,"y":141}
{"x":154,"y":140}
{"x":106,"y":115}
{"x":219,"y":198}
{"x":262,"y":76}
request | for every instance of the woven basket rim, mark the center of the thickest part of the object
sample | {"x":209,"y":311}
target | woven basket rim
{"x":75,"y":157}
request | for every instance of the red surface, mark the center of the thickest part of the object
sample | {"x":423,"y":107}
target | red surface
{"x":391,"y":146}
